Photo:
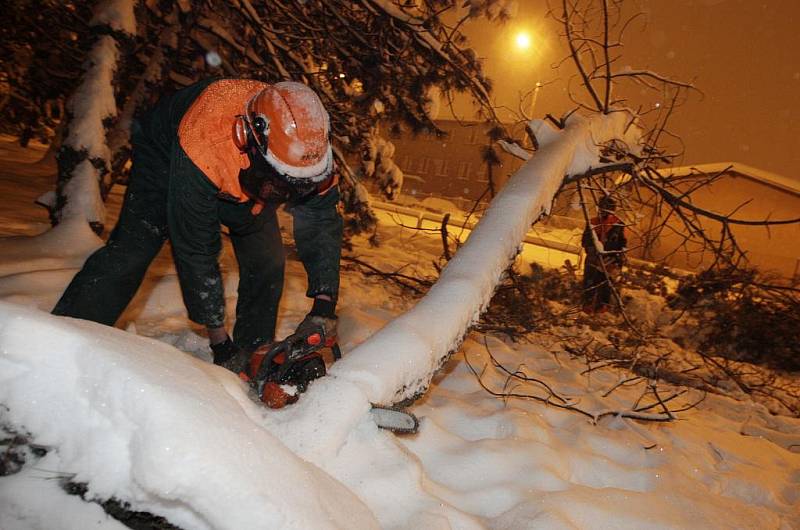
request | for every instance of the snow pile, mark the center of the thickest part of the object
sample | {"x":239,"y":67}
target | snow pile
{"x":137,"y":419}
{"x":66,"y":245}
{"x":521,"y":464}
{"x":648,"y":309}
{"x":140,"y":421}
{"x":34,"y":500}
{"x":34,"y":270}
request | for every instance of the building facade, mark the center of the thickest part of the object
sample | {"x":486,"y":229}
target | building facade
{"x":453,"y":168}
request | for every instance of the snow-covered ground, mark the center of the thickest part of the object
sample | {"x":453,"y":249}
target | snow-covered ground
{"x":141,"y":415}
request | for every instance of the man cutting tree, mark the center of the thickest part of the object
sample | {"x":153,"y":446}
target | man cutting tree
{"x":224,"y":152}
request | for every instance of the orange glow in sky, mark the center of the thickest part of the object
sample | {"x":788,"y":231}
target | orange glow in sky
{"x":746,"y":111}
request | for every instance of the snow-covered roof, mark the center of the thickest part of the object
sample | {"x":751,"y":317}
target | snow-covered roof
{"x":773,"y":179}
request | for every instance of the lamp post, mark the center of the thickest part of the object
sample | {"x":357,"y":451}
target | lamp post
{"x":529,"y":114}
{"x":533,"y":99}
{"x":523,"y":44}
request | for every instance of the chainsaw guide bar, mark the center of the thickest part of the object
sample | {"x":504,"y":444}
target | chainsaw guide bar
{"x":393,"y":419}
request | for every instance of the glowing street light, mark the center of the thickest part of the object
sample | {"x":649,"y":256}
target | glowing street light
{"x":523,"y":40}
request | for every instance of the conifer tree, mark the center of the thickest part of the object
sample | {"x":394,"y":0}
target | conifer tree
{"x":371,"y":61}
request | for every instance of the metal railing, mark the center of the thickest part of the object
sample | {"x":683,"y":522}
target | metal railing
{"x":469,"y":223}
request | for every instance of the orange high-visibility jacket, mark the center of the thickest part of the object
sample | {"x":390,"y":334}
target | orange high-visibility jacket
{"x":206,"y":132}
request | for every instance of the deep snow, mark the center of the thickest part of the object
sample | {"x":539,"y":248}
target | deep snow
{"x":140,"y":419}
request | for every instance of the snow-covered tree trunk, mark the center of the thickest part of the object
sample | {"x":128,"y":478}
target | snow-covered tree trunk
{"x":399,"y":361}
{"x":84,"y":157}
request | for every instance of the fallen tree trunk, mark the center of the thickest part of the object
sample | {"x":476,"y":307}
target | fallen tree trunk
{"x":398,"y":362}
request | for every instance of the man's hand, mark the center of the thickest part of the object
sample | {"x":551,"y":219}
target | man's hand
{"x":316,"y":330}
{"x":228,"y":355}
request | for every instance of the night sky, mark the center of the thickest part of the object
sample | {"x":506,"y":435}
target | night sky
{"x":744,"y":55}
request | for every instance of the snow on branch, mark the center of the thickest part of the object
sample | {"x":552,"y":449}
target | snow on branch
{"x":514,"y":149}
{"x":116,"y":14}
{"x":93,"y":101}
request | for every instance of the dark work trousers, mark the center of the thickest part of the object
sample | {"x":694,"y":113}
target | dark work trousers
{"x":596,"y":287}
{"x":111,"y":276}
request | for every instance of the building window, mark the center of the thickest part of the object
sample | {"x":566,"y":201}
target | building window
{"x":475,"y":136}
{"x":439,"y":167}
{"x":464,"y":170}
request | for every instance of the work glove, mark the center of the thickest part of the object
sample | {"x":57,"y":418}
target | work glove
{"x":313,"y":325}
{"x":318,"y":328}
{"x":228,"y":355}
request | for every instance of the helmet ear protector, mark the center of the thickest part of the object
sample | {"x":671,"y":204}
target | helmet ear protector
{"x":241,"y":133}
{"x":247,"y":132}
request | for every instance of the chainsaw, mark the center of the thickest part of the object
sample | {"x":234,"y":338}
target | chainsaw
{"x":281,"y":371}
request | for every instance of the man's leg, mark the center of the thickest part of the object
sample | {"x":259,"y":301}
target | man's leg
{"x":259,"y":251}
{"x":604,"y":292}
{"x":592,"y":277}
{"x":110,"y":277}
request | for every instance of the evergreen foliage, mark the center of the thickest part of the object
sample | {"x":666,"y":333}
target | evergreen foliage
{"x":371,"y":61}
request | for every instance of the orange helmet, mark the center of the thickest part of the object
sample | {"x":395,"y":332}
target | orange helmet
{"x":291,"y":129}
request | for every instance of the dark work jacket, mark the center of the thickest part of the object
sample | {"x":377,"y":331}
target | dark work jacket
{"x":193,"y":211}
{"x":610,"y":232}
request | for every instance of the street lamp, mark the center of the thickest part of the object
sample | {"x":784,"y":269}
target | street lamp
{"x":523,"y":40}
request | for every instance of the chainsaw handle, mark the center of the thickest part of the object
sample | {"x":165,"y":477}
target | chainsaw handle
{"x":269,"y":357}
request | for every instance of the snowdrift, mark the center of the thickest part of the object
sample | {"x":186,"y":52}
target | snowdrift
{"x":138,"y":420}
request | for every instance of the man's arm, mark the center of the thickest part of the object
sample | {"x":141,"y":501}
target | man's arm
{"x":194,"y":229}
{"x":318,"y":238}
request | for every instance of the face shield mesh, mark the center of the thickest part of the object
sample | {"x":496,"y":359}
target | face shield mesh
{"x":261,"y":181}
